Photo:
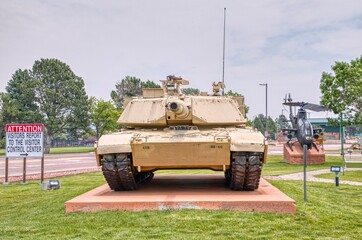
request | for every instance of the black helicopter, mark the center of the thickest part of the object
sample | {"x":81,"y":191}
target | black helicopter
{"x":302,"y":129}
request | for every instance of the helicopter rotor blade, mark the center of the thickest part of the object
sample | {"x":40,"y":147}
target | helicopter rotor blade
{"x":293,"y":104}
{"x":315,"y":107}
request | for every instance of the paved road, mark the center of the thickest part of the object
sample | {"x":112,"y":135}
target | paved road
{"x":52,"y":163}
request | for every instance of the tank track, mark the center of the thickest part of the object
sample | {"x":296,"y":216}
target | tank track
{"x":120,"y":175}
{"x":245,"y":171}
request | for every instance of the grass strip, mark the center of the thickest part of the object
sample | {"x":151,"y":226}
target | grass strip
{"x":354,"y":176}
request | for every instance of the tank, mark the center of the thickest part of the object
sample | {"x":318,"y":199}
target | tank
{"x":165,"y":129}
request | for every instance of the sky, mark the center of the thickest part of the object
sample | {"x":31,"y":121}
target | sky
{"x":286,"y":44}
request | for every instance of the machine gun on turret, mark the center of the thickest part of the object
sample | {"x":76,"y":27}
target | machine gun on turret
{"x":171,"y":86}
{"x":302,"y":129}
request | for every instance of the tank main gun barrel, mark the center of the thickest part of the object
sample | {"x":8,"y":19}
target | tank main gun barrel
{"x":179,"y":108}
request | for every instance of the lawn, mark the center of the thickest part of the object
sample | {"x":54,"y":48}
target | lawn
{"x":26,"y":212}
{"x":65,"y":150}
{"x":276,"y":166}
{"x":355,"y":176}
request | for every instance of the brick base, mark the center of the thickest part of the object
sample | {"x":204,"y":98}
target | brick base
{"x":296,"y":156}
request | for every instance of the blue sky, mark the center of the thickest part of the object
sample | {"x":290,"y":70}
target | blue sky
{"x":287,"y":44}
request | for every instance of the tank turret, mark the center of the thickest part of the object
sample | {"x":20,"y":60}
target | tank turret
{"x":166,"y":129}
{"x":173,"y":107}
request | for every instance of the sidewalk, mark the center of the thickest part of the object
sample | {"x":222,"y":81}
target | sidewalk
{"x":311,"y":177}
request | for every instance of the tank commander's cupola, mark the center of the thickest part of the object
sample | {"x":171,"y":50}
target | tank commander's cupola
{"x":171,"y":86}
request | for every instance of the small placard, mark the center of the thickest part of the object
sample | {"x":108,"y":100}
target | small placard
{"x":335,"y":168}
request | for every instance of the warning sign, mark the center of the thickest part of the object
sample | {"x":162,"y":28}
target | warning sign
{"x":24,"y":140}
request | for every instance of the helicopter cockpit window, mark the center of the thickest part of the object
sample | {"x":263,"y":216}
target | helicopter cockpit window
{"x":308,"y":128}
{"x":305,"y":127}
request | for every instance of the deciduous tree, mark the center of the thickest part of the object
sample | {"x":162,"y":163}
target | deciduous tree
{"x":19,"y":101}
{"x":129,"y":87}
{"x":61,"y":97}
{"x":191,"y":91}
{"x":259,"y":123}
{"x":342,"y":90}
{"x":104,"y":116}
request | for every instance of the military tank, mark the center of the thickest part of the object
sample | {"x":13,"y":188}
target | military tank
{"x":165,"y":129}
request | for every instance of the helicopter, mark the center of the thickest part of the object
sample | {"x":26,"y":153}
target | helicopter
{"x":302,"y":129}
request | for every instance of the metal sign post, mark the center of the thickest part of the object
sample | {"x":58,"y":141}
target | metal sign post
{"x":336,"y":169}
{"x":24,"y":171}
{"x":305,"y":171}
{"x":6,"y":171}
{"x":42,"y":170}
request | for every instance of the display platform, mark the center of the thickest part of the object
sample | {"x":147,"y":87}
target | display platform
{"x":192,"y":191}
{"x":314,"y":156}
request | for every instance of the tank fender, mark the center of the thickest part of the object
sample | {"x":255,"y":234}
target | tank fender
{"x":113,"y":143}
{"x":247,"y":141}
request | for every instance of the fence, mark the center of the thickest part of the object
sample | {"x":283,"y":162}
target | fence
{"x":72,"y":143}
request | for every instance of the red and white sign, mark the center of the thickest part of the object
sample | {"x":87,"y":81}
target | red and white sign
{"x":24,"y":140}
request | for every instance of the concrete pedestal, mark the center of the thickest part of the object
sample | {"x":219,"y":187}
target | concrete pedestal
{"x":296,"y":156}
{"x":184,"y":192}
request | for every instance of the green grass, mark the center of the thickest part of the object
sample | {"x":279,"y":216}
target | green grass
{"x":26,"y":212}
{"x":64,"y":150}
{"x":355,"y":176}
{"x":276,"y":166}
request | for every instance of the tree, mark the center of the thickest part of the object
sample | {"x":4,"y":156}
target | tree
{"x":19,"y":101}
{"x":150,"y":84}
{"x":342,"y":90}
{"x":130,"y":87}
{"x":61,"y":98}
{"x":104,"y":116}
{"x":236,"y":94}
{"x":233,"y":94}
{"x":191,"y":91}
{"x":282,"y":122}
{"x":2,"y":124}
{"x":259,"y":123}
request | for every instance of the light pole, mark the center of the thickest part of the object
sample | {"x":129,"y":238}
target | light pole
{"x":266,"y":108}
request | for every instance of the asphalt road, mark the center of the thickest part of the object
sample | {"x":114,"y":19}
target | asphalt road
{"x":52,"y":163}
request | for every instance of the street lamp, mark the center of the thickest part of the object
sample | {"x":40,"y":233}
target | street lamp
{"x":266,"y":108}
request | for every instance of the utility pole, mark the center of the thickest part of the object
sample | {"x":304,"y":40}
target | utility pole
{"x":223,"y":53}
{"x":266,"y":107}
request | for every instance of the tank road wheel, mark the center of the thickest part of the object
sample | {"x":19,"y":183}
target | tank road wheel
{"x":110,"y":173}
{"x":245,"y":171}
